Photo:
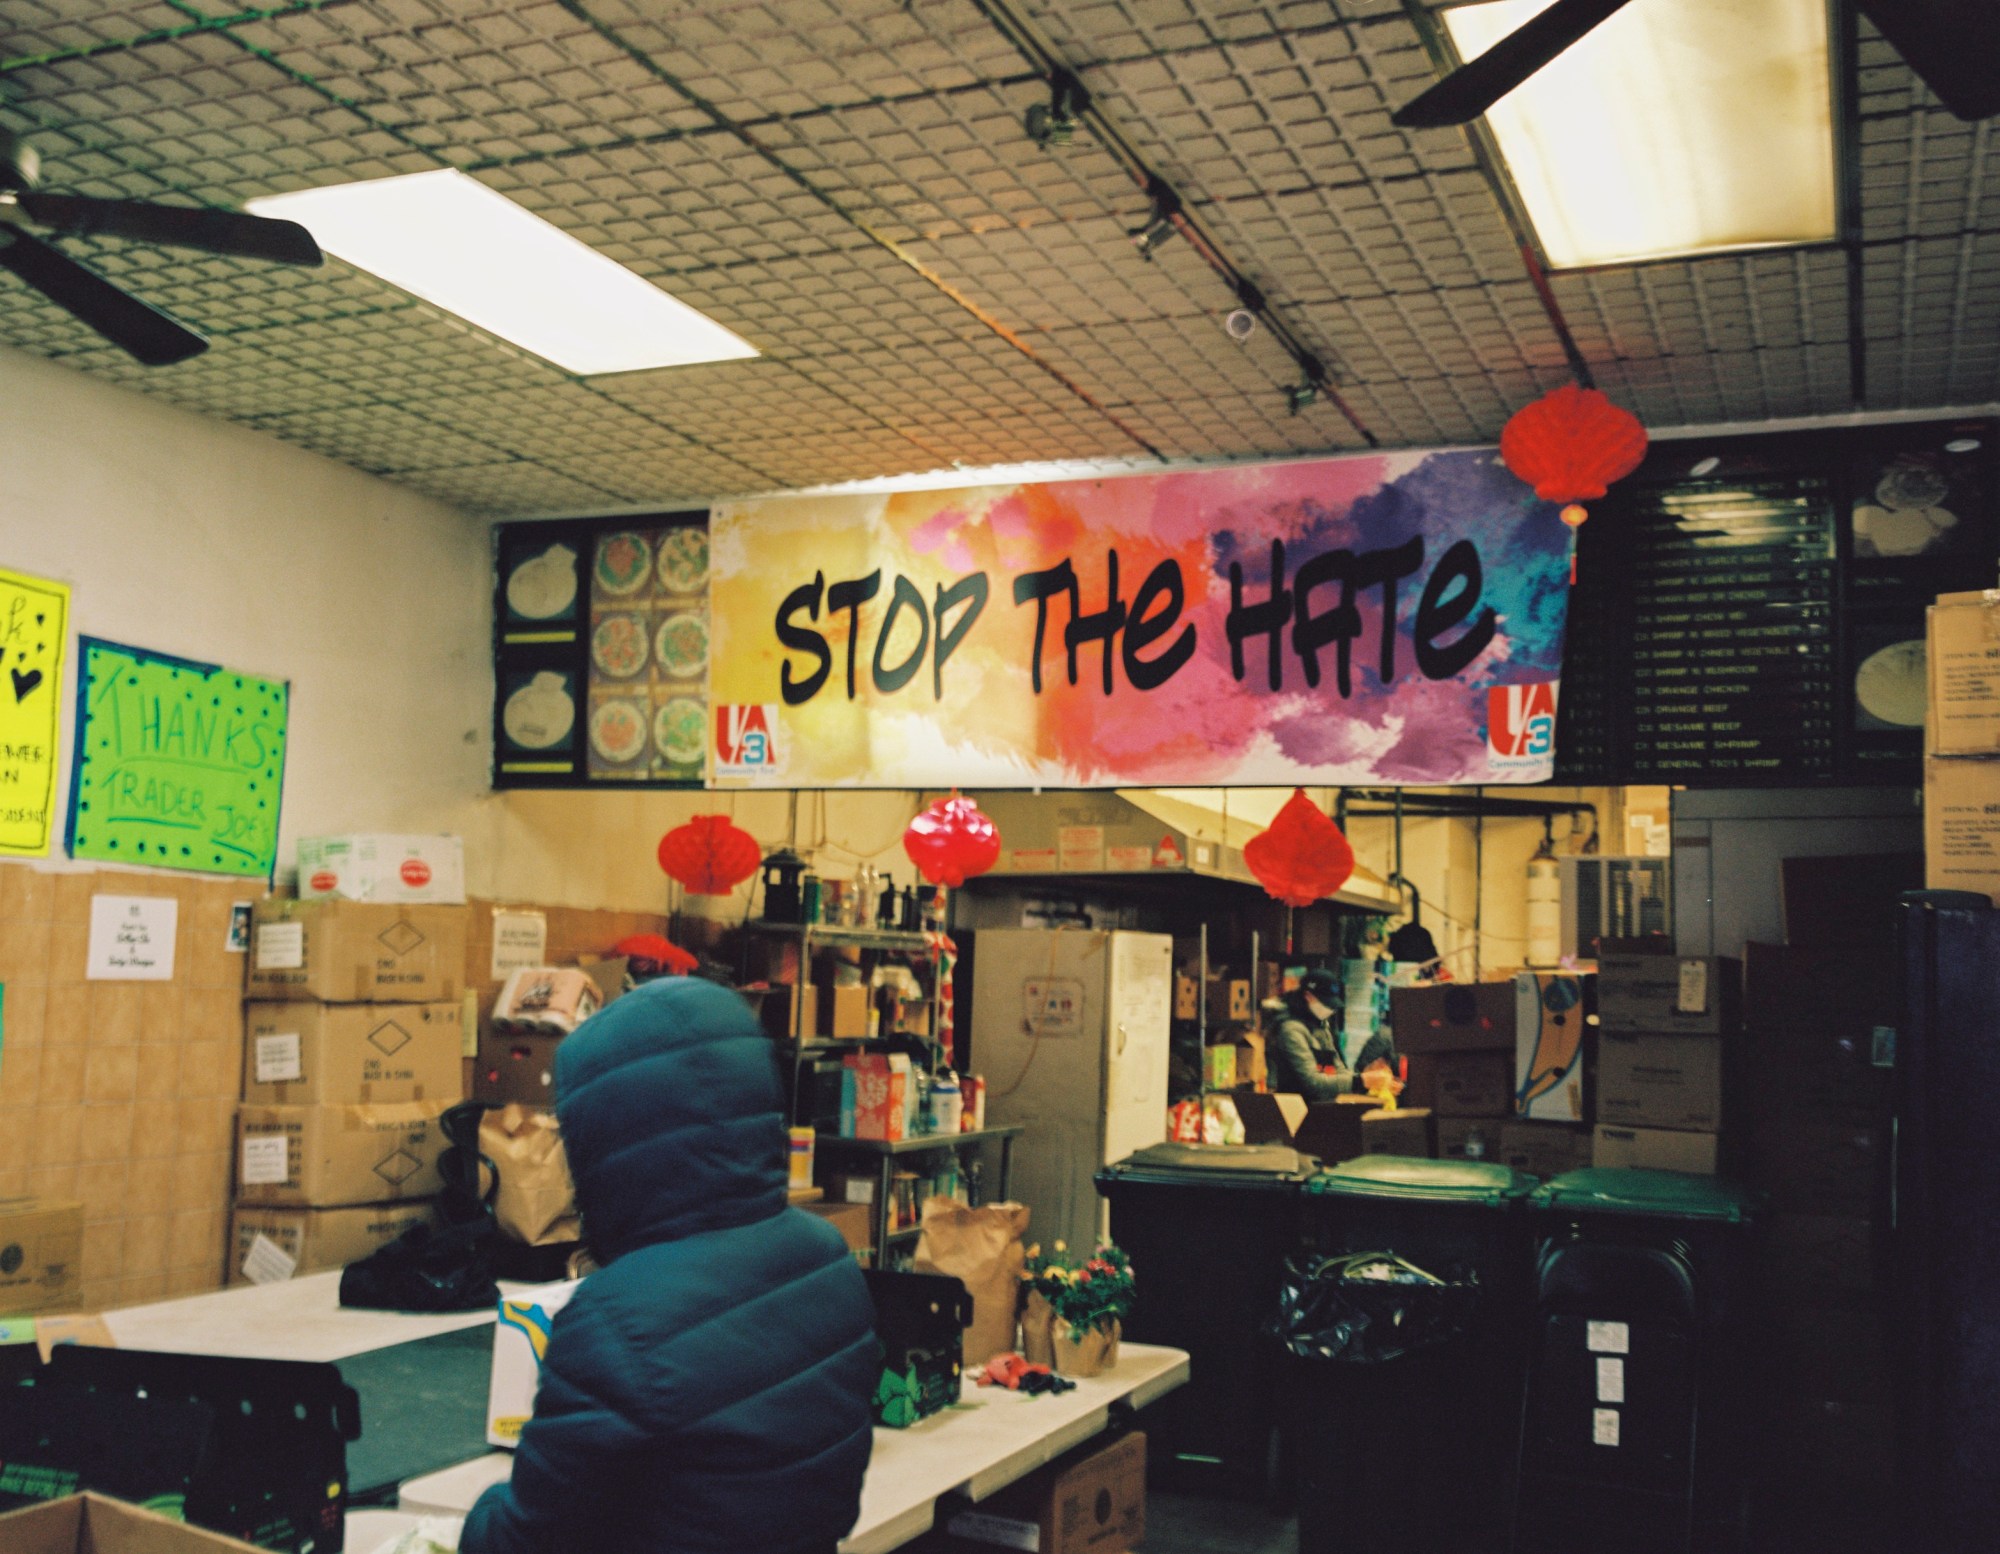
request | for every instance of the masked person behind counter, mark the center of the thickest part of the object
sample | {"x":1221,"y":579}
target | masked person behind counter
{"x":1308,"y":1058}
{"x":708,"y":1388}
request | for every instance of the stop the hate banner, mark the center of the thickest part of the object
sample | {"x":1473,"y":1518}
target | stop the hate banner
{"x":1384,"y":619}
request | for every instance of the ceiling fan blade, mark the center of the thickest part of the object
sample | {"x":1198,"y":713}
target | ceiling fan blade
{"x":1471,"y":89}
{"x":124,"y":320}
{"x":179,"y":226}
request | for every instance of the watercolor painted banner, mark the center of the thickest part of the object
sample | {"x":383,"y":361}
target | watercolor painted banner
{"x":1390,"y":618}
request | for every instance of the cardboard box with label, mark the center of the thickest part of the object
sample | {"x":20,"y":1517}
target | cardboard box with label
{"x":1554,"y":1037}
{"x":842,"y":1011}
{"x":1335,"y":1130}
{"x":1654,"y":1149}
{"x":1470,"y":1084}
{"x":520,"y":1342}
{"x":1669,"y":995}
{"x":1453,"y":1017}
{"x":406,"y":870}
{"x":1962,"y":661}
{"x":1252,"y":1066}
{"x":1544,"y":1149}
{"x":356,"y":952}
{"x":300,"y":1054}
{"x":1962,"y":824}
{"x":516,"y":1069}
{"x":1660,"y":1082}
{"x":323,"y":1157}
{"x":41,"y":1255}
{"x":299,"y":1241}
{"x":1092,"y":1501}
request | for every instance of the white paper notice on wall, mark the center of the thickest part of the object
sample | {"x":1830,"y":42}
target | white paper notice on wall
{"x":1610,"y":1379}
{"x":1694,"y":987}
{"x":1604,"y":1426}
{"x":520,"y":942}
{"x":268,"y":1263}
{"x":1609,"y":1337}
{"x":266,"y":1160}
{"x":132,"y":938}
{"x":281,"y":946}
{"x":278,"y":1060}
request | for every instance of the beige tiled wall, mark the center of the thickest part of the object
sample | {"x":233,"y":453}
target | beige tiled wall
{"x":122,"y":1094}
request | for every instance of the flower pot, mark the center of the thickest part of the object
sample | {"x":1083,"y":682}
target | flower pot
{"x":1038,"y":1320}
{"x":1087,"y":1353}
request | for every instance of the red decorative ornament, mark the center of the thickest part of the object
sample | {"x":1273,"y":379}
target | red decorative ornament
{"x":710,"y":855}
{"x":1570,"y":445}
{"x":1301,"y":856}
{"x":952,"y":841}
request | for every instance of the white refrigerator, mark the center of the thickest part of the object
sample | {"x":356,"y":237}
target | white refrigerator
{"x":1071,"y":1030}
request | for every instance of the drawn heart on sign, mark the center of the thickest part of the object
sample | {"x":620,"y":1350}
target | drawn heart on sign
{"x":24,"y":683}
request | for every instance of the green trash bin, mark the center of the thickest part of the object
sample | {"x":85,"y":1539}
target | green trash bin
{"x":1641,"y":1274}
{"x":1433,"y":1431}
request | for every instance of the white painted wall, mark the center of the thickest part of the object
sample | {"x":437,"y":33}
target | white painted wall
{"x":214,"y":542}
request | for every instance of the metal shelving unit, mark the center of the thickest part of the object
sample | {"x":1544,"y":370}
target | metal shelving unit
{"x":887,"y":1152}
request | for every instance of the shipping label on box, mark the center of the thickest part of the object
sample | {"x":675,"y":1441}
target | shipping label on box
{"x":334,"y":1156}
{"x":1553,"y":1031}
{"x":41,"y":1255}
{"x":1962,"y":825}
{"x":1669,"y":995}
{"x":300,"y":1054}
{"x":1962,"y":661}
{"x":396,"y":869}
{"x":271,"y":1245}
{"x":356,"y":952}
{"x":1660,"y":1082}
{"x":1654,"y":1149}
{"x":1544,"y":1149}
{"x":1453,"y":1017}
{"x":520,"y":1344}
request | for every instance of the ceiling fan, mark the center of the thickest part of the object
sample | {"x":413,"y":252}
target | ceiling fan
{"x":1949,"y":43}
{"x":150,"y":335}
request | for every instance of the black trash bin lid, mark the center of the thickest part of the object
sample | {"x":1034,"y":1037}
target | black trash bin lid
{"x":1409,"y":1179}
{"x":1658,"y":1194}
{"x":1249,"y":1165}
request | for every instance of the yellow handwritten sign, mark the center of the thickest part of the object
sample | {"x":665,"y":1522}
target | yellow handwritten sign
{"x":34,"y":632}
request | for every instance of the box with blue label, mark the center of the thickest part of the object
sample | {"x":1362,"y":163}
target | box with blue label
{"x":1555,"y":1038}
{"x":520,"y":1344}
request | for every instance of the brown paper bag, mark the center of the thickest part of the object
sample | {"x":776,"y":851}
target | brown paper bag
{"x":982,"y":1249}
{"x":536,"y":1204}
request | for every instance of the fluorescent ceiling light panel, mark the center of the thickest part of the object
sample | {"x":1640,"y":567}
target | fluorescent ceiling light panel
{"x":1677,"y":127}
{"x":449,"y":239}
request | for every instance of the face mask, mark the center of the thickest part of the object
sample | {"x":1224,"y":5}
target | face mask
{"x":1320,"y":1010}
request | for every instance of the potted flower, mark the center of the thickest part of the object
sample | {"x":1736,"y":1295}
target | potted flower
{"x":1075,"y":1312}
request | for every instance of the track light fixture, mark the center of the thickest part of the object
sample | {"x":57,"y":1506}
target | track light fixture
{"x":1054,"y":123}
{"x":1159,"y":223}
{"x":1307,"y":390}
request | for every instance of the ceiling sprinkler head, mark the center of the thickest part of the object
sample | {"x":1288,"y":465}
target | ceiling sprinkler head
{"x":20,"y":164}
{"x":1240,"y":325}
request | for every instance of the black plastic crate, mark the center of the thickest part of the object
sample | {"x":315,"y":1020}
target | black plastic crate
{"x":921,"y":1319}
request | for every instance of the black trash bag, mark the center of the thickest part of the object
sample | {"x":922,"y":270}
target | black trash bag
{"x":426,"y":1269}
{"x":1368,"y":1307}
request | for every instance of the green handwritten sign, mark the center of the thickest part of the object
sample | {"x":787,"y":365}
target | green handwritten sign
{"x":178,"y":765}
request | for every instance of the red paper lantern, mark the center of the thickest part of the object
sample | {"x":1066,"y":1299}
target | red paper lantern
{"x":710,"y":855}
{"x":952,"y":841}
{"x":1570,"y":445}
{"x":1301,"y":856}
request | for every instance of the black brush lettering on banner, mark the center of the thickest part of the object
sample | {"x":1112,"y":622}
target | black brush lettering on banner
{"x":1266,"y":619}
{"x":1144,"y":628}
{"x":801,"y":640}
{"x":1450,"y":597}
{"x":970,"y":591}
{"x":1098,"y":626}
{"x":903,"y":596}
{"x":1040,"y":587}
{"x":850,"y":596}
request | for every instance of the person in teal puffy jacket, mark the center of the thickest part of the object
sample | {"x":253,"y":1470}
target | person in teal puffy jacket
{"x":707,"y":1390}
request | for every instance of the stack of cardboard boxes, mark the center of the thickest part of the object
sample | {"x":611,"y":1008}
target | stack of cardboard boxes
{"x":1962,"y":745}
{"x":1505,"y":1066}
{"x":1667,"y":1040}
{"x":352,"y":1038}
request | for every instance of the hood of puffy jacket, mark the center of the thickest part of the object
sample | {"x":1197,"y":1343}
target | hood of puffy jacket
{"x":673,"y":1116}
